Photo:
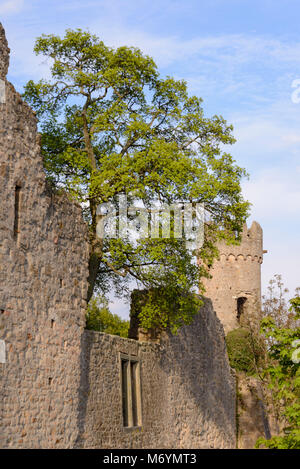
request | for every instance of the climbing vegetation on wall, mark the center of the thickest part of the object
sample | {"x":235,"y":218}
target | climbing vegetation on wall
{"x":283,"y":374}
{"x":243,"y":350}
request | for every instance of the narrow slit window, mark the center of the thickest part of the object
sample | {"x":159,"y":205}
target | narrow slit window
{"x":133,"y":366}
{"x":240,"y":307}
{"x":17,"y":212}
{"x":125,"y":364}
{"x":131,"y":392}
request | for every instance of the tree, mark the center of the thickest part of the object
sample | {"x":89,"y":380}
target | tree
{"x":99,"y":318}
{"x":283,"y":374}
{"x":111,"y":125}
{"x":275,"y":304}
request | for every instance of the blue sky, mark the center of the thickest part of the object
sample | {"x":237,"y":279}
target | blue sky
{"x":240,"y":56}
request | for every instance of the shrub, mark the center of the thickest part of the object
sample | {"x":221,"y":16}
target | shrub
{"x":243,"y":350}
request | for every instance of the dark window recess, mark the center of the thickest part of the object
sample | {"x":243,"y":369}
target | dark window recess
{"x":17,"y":212}
{"x":125,"y":392}
{"x":131,"y":397}
{"x":240,"y":307}
{"x":133,"y":366}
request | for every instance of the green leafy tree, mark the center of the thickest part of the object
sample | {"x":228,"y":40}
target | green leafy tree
{"x":283,"y":374}
{"x":111,"y":125}
{"x":99,"y":318}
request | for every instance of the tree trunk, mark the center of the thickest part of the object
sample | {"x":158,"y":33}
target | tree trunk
{"x":96,"y":251}
{"x":94,"y":264}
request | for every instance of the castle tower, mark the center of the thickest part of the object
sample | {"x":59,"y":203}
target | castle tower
{"x":235,"y":286}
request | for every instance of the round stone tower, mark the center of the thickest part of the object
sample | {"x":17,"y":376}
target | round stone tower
{"x":235,"y":286}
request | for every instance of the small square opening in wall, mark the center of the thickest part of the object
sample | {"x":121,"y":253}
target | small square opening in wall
{"x":131,"y":391}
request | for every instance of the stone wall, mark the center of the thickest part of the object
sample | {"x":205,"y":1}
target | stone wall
{"x":43,"y":280}
{"x":4,"y":54}
{"x":187,"y":389}
{"x":237,"y":274}
{"x":256,"y":414}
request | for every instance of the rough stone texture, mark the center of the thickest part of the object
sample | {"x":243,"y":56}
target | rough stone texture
{"x":254,"y":415}
{"x":188,"y":391}
{"x":4,"y":54}
{"x":237,"y":274}
{"x":43,"y":280}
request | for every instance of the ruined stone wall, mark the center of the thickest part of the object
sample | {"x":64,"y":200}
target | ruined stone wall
{"x":4,"y":54}
{"x":43,"y":279}
{"x":256,"y":413}
{"x":237,"y":274}
{"x":188,"y":391}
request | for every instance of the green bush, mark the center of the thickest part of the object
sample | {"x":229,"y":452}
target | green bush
{"x":243,"y":350}
{"x":99,"y":318}
{"x":284,"y":375}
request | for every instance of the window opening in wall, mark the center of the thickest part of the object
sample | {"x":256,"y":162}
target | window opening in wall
{"x":17,"y":211}
{"x":133,"y":366}
{"x":241,"y":307}
{"x":131,"y":392}
{"x":125,"y":365}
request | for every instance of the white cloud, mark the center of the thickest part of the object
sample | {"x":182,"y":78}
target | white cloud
{"x":235,"y":49}
{"x":282,"y":258}
{"x":11,"y":6}
{"x":268,"y":145}
{"x":275,"y":195}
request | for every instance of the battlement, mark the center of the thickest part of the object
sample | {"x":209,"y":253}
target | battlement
{"x":4,"y":54}
{"x":250,"y":248}
{"x":240,"y":257}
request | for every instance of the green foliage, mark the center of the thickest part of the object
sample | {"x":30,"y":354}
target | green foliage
{"x":111,"y":125}
{"x":284,"y":375}
{"x":100,"y":319}
{"x":161,"y":309}
{"x":243,"y":350}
